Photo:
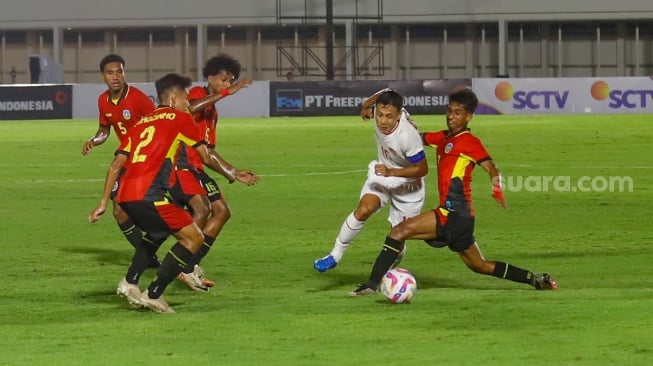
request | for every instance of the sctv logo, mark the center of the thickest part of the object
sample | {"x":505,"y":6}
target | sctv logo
{"x":536,"y":99}
{"x":628,"y":98}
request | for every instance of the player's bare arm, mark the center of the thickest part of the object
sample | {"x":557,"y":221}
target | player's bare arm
{"x":366,"y":107}
{"x":100,"y":137}
{"x":497,"y":182}
{"x":201,"y":104}
{"x":215,"y":162}
{"x":242,"y":83}
{"x":110,"y":180}
{"x":418,"y":170}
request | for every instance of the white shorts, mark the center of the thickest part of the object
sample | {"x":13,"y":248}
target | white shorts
{"x":406,"y":199}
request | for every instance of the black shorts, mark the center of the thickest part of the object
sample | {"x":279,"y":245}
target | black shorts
{"x":452,"y":230}
{"x":186,"y":187}
{"x":159,"y":219}
{"x":211,"y":186}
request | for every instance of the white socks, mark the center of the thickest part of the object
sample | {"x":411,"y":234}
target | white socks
{"x":348,"y":231}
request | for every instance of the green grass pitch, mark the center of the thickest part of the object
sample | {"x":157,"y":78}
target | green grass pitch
{"x":58,"y":304}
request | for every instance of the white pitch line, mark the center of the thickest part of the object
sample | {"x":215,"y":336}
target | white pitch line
{"x":93,"y":180}
{"x":311,"y":174}
{"x":65,"y":165}
{"x":611,"y":167}
{"x":576,"y":166}
{"x":4,"y":165}
{"x":60,"y":181}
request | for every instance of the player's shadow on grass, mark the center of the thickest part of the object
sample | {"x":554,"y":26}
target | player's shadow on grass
{"x":433,"y":282}
{"x":102,"y":255}
{"x":334,"y":280}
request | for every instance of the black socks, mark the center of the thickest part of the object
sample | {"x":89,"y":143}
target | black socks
{"x":512,"y":273}
{"x":131,"y":232}
{"x":173,"y":263}
{"x":384,"y":260}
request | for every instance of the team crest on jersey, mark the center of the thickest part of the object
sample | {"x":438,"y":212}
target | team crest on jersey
{"x":448,"y":147}
{"x":126,"y":114}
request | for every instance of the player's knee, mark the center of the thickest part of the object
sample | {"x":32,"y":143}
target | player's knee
{"x":363,"y":213}
{"x":402,"y":231}
{"x":220,"y":213}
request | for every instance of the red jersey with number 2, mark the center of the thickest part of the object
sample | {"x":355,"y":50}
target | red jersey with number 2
{"x":123,"y":113}
{"x":152,"y":147}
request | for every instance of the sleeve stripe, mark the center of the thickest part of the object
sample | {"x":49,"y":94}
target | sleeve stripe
{"x":417,"y":157}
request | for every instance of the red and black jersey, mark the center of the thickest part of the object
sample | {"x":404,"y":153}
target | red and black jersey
{"x":152,"y":146}
{"x":207,"y":117}
{"x":207,"y":120}
{"x":123,"y":113}
{"x":456,"y":157}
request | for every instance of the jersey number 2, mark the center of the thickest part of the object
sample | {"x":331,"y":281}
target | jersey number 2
{"x":147,"y":135}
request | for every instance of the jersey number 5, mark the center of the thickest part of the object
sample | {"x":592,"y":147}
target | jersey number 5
{"x":122,"y":128}
{"x":146,"y":137}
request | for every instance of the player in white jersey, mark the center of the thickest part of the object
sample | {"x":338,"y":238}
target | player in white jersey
{"x":397,"y":176}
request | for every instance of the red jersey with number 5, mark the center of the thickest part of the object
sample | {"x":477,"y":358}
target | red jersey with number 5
{"x":123,"y":113}
{"x":457,"y":156}
{"x":152,"y":147}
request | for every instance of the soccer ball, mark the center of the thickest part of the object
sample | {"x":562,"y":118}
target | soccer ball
{"x":398,"y":285}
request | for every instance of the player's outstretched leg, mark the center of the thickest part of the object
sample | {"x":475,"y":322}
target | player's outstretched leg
{"x":543,"y":281}
{"x":349,"y":229}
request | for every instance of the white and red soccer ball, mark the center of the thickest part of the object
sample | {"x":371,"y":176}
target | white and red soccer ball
{"x":398,"y":285}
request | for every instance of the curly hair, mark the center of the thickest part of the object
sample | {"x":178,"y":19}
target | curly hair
{"x":221,"y":62}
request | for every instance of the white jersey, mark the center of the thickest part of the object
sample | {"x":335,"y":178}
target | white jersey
{"x":401,"y":148}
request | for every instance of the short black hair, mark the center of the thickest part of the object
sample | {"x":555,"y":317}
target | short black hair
{"x":221,"y":62}
{"x":466,"y":97}
{"x":111,"y":58}
{"x":169,"y":82}
{"x":391,"y":97}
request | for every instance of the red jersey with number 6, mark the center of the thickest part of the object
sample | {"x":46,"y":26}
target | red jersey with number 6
{"x":152,"y":147}
{"x":457,"y":155}
{"x":206,"y":120}
{"x":123,"y":113}
{"x":207,"y":117}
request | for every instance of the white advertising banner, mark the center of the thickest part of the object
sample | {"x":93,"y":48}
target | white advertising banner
{"x":610,"y":95}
